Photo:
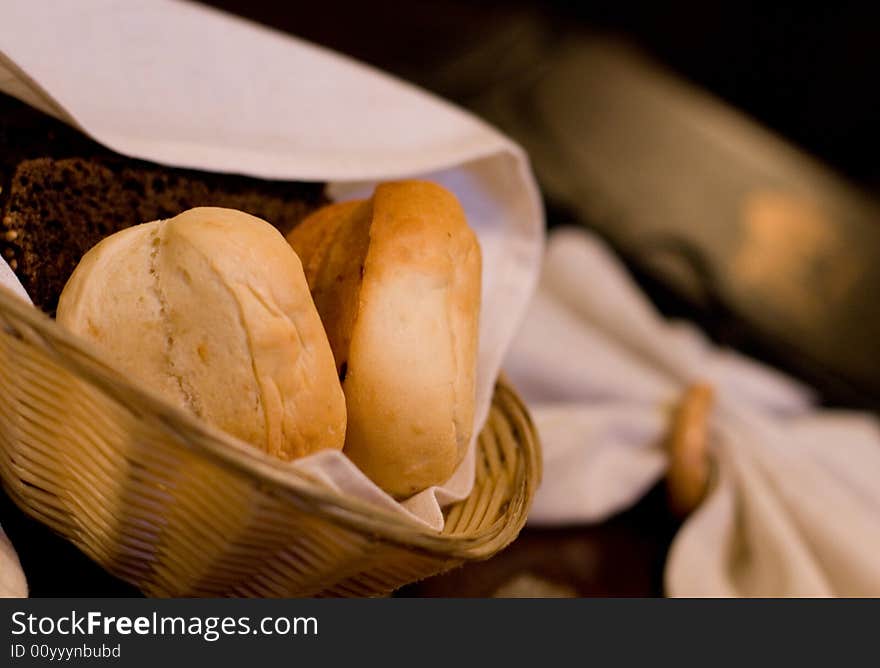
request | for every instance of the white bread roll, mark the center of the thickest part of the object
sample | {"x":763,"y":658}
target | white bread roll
{"x":211,"y":310}
{"x":396,"y":280}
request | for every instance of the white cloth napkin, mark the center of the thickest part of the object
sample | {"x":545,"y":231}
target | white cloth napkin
{"x":12,"y":580}
{"x":794,"y":508}
{"x":188,"y":86}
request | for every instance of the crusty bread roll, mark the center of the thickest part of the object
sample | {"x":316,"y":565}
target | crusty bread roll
{"x":396,"y":280}
{"x":211,"y":309}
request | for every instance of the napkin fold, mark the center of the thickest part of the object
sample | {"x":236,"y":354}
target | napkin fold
{"x":794,"y":505}
{"x":10,"y":281}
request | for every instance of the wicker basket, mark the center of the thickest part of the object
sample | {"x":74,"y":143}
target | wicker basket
{"x":178,"y":508}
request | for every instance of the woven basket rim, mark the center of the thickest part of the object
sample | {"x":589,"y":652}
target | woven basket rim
{"x":83,"y":360}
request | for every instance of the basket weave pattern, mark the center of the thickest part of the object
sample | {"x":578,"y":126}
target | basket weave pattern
{"x":178,"y":508}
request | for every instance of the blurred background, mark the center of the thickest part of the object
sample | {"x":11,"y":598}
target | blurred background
{"x":727,"y":151}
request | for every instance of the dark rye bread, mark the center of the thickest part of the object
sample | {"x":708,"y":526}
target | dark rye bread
{"x":61,"y":193}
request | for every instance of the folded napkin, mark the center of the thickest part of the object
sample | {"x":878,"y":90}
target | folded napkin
{"x":793,"y":506}
{"x":12,"y":580}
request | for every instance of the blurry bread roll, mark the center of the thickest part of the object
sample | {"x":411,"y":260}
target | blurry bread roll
{"x":211,"y":310}
{"x":396,"y":280}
